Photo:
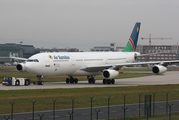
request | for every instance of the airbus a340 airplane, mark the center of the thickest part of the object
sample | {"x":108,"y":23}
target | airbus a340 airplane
{"x":89,"y":64}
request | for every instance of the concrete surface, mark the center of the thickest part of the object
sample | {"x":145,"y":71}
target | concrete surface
{"x":170,"y":77}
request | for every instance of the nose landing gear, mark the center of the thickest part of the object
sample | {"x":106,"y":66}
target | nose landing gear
{"x":40,"y":82}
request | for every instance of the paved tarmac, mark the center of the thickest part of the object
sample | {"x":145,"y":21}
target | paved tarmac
{"x":170,"y":77}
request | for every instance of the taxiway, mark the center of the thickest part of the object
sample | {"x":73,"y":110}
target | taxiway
{"x":170,"y":77}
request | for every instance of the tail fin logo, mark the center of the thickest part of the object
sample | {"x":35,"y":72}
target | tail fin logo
{"x":132,"y":43}
{"x":137,"y":29}
{"x":10,"y":55}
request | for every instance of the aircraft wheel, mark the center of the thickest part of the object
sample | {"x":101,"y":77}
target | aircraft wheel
{"x":42,"y":83}
{"x":39,"y":83}
{"x":71,"y":80}
{"x":76,"y":80}
{"x":108,"y":81}
{"x":93,"y":81}
{"x":104,"y":81}
{"x":112,"y":81}
{"x":89,"y":80}
{"x":67,"y":80}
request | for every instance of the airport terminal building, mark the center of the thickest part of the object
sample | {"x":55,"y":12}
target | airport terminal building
{"x":17,"y":50}
{"x":112,"y":47}
{"x":168,"y":52}
{"x":25,"y":51}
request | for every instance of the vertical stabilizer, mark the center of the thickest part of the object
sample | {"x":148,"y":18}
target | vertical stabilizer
{"x":132,"y":43}
{"x":10,"y":55}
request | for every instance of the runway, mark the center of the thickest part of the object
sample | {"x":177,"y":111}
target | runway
{"x":170,"y":77}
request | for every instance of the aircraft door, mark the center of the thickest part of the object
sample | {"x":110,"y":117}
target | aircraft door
{"x":105,"y":60}
{"x":48,"y":65}
{"x":47,"y":62}
{"x":72,"y":61}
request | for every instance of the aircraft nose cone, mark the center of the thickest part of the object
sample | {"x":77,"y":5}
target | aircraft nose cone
{"x":28,"y":67}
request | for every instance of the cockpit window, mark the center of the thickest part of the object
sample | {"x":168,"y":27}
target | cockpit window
{"x":36,"y":60}
{"x":32,"y":60}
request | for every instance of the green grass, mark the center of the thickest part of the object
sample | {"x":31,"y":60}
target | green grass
{"x":12,"y":67}
{"x":23,"y":98}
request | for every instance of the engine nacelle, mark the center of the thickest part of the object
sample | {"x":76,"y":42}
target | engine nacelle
{"x":20,"y":67}
{"x":159,"y":69}
{"x":109,"y":74}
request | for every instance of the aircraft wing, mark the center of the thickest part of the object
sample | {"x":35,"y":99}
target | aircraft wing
{"x":107,"y":66}
{"x":96,"y":67}
{"x":18,"y":58}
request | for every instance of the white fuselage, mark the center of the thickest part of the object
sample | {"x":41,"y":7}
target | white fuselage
{"x":69,"y":63}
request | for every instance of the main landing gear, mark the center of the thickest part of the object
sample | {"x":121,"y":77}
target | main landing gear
{"x":91,"y":79}
{"x":108,"y":81}
{"x":72,"y":80}
{"x":40,"y":82}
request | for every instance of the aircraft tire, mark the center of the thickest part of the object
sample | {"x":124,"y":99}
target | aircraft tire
{"x":104,"y":81}
{"x":93,"y":81}
{"x":71,"y":80}
{"x":89,"y":80}
{"x":76,"y":80}
{"x":112,"y":81}
{"x":67,"y":80}
{"x":108,"y":81}
{"x":41,"y":82}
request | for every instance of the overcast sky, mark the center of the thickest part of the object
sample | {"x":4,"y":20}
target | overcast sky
{"x":84,"y":24}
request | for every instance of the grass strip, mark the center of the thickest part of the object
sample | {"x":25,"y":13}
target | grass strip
{"x":23,"y":98}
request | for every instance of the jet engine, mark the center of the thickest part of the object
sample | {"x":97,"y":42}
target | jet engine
{"x":109,"y":74}
{"x":20,"y":67}
{"x":159,"y":69}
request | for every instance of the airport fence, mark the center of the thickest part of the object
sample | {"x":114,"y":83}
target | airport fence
{"x":146,"y":107}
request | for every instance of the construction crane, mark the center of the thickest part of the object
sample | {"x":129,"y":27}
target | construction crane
{"x":153,"y":38}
